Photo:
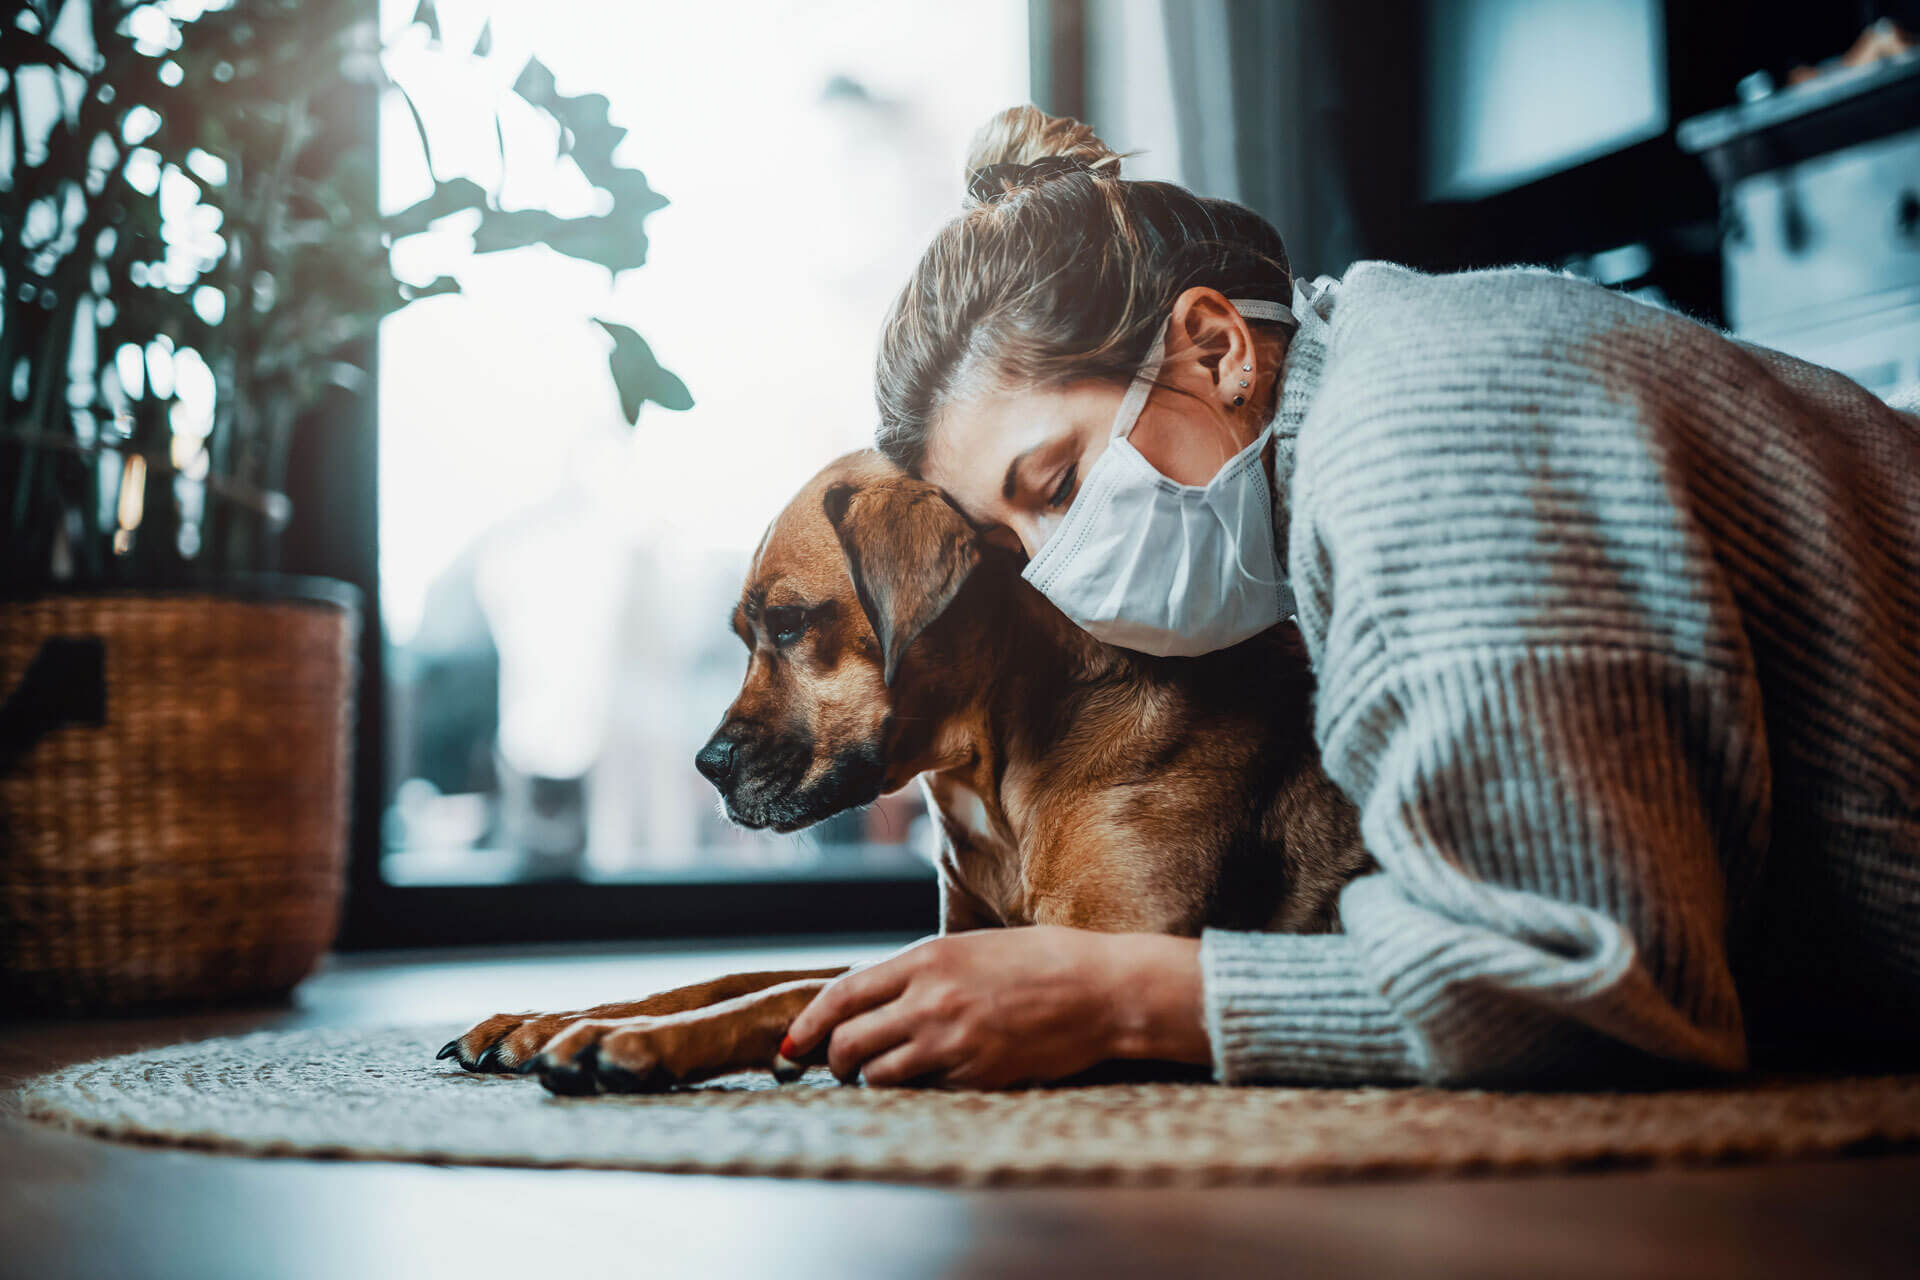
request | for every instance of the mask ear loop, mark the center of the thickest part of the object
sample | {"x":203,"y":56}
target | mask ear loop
{"x":1142,"y":386}
{"x":1127,"y":417}
{"x":1260,"y":309}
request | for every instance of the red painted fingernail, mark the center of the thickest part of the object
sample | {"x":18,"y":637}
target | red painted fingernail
{"x":788,"y":1049}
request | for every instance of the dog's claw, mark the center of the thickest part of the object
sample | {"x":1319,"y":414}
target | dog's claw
{"x":448,"y":1050}
{"x":490,"y":1060}
{"x":531,"y":1065}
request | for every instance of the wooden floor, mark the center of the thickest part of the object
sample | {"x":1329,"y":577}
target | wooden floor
{"x":73,"y":1207}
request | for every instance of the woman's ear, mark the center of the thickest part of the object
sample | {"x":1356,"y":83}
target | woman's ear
{"x":1208,"y":329}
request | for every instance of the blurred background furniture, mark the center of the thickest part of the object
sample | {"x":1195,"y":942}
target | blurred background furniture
{"x":1820,"y":191}
{"x":1451,"y":134}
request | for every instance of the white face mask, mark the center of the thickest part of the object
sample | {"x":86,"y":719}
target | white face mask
{"x":1148,"y":563}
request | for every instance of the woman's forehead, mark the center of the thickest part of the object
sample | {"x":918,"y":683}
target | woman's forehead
{"x":983,"y":433}
{"x":974,"y":439}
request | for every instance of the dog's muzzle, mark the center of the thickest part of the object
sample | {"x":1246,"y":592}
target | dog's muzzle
{"x":715,"y":760}
{"x":764,"y":782}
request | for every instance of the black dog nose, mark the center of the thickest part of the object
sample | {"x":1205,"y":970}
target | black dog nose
{"x":715,"y":761}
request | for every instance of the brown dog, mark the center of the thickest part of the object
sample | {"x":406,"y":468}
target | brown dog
{"x":1073,"y":783}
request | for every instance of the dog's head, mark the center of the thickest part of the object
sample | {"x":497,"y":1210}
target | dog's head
{"x":846,"y":579}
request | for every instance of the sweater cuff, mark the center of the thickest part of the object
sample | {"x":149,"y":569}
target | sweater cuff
{"x":1284,"y":1006}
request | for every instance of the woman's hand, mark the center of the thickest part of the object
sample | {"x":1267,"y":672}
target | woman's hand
{"x":998,"y":1007}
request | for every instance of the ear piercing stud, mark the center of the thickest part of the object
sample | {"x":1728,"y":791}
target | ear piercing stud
{"x":1239,"y":400}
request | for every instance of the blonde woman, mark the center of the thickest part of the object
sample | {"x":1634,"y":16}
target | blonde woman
{"x":1616,"y":622}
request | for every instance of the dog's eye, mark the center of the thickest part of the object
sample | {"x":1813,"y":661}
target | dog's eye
{"x":785,"y":623}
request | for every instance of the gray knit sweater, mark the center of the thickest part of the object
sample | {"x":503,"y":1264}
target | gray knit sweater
{"x":1617,"y":627}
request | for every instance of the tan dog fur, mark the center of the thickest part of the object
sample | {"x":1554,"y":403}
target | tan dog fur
{"x":1072,"y":783}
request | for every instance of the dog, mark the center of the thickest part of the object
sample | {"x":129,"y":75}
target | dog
{"x":1071,"y":782}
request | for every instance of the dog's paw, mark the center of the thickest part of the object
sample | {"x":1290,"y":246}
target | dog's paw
{"x":632,"y":1055}
{"x":506,"y":1041}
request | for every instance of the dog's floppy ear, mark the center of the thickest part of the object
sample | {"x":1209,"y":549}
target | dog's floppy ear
{"x":909,"y":551}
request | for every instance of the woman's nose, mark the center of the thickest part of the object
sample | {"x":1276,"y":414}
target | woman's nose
{"x":1030,"y":530}
{"x":1033,"y":532}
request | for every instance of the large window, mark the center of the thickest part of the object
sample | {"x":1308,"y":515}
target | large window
{"x":555,"y":582}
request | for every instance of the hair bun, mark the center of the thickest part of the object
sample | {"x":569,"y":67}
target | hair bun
{"x":997,"y":181}
{"x":1024,"y":146}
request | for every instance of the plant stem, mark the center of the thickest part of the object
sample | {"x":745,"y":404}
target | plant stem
{"x":13,"y":266}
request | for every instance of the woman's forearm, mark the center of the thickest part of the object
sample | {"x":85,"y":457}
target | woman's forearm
{"x":1159,"y":1004}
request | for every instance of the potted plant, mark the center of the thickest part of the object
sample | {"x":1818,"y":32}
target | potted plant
{"x":191,"y":263}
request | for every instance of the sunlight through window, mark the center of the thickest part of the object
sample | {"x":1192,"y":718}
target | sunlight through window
{"x":554,"y":579}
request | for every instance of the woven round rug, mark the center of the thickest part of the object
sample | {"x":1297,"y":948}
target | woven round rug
{"x":380,"y":1095}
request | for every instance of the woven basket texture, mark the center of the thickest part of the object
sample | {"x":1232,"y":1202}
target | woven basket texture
{"x":192,"y":849}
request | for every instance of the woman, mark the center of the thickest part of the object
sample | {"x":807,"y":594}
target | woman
{"x":1616,"y":623}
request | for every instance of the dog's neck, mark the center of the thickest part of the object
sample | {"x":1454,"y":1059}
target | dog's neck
{"x":999,"y":644}
{"x":992,"y":708}
{"x":1002,"y":645}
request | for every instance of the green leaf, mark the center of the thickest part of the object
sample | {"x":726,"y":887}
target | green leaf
{"x":500,"y":143}
{"x":452,"y":196}
{"x":587,"y":133}
{"x":20,"y":48}
{"x":420,"y":127}
{"x":426,"y":15}
{"x":594,"y":135}
{"x":638,"y":374}
{"x":535,"y":83}
{"x":633,"y":196}
{"x":414,"y":292}
{"x":615,"y":241}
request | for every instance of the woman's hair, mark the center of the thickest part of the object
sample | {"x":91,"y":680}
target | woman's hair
{"x":1058,"y":270}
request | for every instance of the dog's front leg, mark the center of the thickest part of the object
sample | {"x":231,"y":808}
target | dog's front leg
{"x":506,"y":1041}
{"x":651,"y":1052}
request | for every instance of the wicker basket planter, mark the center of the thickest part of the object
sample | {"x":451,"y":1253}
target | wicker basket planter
{"x":174,"y":774}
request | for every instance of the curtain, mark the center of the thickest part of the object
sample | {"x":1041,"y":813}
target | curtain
{"x":1258,"y":111}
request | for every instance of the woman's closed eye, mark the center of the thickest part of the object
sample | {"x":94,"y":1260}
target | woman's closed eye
{"x":1063,"y":488}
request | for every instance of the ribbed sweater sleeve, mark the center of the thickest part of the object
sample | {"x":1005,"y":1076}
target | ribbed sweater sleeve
{"x":1534,"y":682}
{"x":1284,"y":1006}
